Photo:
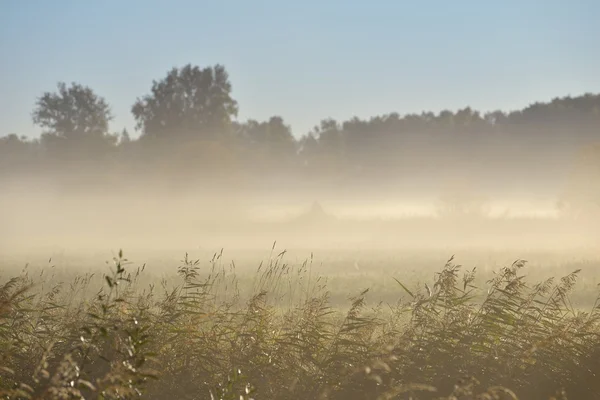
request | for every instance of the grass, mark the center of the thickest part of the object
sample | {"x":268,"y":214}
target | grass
{"x":214,"y":332}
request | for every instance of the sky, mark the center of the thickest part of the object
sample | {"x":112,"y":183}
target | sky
{"x":303,"y":60}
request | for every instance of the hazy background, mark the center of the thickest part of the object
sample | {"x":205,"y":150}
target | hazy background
{"x":397,"y":125}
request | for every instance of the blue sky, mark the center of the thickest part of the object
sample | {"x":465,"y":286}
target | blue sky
{"x":304,"y":60}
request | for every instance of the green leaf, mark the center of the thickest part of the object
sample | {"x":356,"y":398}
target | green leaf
{"x":405,"y":288}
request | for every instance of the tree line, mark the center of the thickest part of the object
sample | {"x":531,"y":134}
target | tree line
{"x":188,"y":129}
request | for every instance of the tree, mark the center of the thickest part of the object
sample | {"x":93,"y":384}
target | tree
{"x":308,"y":148}
{"x":16,"y":153}
{"x":188,"y":102}
{"x":273,"y":137}
{"x":75,"y":121}
{"x":72,"y":113}
{"x":124,"y":138}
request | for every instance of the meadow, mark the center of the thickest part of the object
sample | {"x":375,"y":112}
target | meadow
{"x":277,"y":324}
{"x":430,"y":245}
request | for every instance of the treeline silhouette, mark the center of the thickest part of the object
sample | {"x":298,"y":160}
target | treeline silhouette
{"x":188,"y":132}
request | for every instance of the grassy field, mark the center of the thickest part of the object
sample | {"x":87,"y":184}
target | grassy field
{"x":283,"y":324}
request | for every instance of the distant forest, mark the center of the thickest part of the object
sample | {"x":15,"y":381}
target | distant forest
{"x":188,"y":132}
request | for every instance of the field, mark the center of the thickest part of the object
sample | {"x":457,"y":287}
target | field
{"x":277,"y":324}
{"x":299,"y":201}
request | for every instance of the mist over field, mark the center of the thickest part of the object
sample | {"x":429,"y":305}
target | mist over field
{"x":267,"y":248}
{"x":299,"y":200}
{"x":470,"y":180}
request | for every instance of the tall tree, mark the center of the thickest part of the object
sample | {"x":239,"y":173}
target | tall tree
{"x":75,"y":121}
{"x":72,"y":112}
{"x":188,"y":102}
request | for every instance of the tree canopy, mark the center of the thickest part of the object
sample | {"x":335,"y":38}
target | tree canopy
{"x":188,"y":102}
{"x":75,"y":121}
{"x":74,"y":111}
{"x":187,"y":127}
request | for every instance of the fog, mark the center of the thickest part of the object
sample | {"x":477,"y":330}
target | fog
{"x":193,"y":176}
{"x":39,"y":216}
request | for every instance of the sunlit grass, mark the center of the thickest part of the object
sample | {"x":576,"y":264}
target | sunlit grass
{"x":215,"y":332}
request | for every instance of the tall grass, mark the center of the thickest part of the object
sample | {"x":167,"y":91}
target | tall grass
{"x":208,"y":337}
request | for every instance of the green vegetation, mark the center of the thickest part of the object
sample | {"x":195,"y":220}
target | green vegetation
{"x":214,"y":332}
{"x":189,"y":136}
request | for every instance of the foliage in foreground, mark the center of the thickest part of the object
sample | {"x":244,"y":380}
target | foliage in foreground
{"x":204,"y":337}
